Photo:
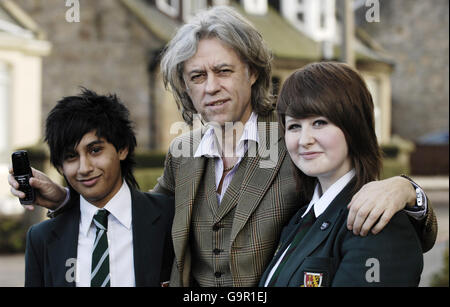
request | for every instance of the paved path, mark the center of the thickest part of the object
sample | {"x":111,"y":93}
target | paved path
{"x":12,"y":270}
{"x":433,"y":263}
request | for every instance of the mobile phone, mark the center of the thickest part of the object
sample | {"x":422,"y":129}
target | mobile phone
{"x":22,"y":174}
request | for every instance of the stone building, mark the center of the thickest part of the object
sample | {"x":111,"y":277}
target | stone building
{"x":108,"y":51}
{"x":416,"y":34}
{"x":115,"y":46}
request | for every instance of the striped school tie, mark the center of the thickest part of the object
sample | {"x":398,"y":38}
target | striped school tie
{"x":100,"y":256}
{"x":305,"y":224}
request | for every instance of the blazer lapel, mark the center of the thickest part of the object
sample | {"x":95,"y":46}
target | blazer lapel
{"x":144,"y":215}
{"x":62,"y":249}
{"x":317,"y":234}
{"x":264,"y":161}
{"x":286,"y":237}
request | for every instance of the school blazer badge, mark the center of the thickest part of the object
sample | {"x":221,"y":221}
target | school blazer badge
{"x":311,"y":280}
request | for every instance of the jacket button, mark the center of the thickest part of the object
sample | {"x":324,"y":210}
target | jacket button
{"x":325,"y":225}
{"x":216,"y":251}
{"x":216,"y":227}
{"x":218,"y":274}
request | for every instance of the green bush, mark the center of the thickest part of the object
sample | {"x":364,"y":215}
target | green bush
{"x":390,"y":150}
{"x":146,"y":177}
{"x":441,"y":279}
{"x":12,"y":235}
{"x":149,"y":159}
{"x":393,"y":167}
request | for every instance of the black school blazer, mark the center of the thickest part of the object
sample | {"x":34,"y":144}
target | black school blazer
{"x":53,"y":243}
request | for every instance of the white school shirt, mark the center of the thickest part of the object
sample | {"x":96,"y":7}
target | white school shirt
{"x":320,"y":204}
{"x":120,"y":240}
{"x":209,"y":148}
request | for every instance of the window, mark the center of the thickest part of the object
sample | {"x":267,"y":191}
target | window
{"x":315,"y":18}
{"x":255,"y":7}
{"x":170,"y":7}
{"x":300,"y":11}
{"x":275,"y":4}
{"x":295,"y":11}
{"x":4,"y":111}
{"x":191,"y":7}
{"x":322,"y":14}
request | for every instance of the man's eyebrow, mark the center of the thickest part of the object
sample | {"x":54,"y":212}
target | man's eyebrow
{"x":96,"y":142}
{"x":220,"y":66}
{"x":196,"y":71}
{"x":90,"y":145}
{"x":215,"y":68}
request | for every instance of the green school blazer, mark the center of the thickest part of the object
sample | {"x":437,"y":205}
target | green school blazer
{"x":331,"y":255}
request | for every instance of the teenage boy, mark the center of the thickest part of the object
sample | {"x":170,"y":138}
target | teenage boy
{"x":111,"y":234}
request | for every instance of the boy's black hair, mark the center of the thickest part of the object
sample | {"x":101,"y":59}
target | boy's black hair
{"x":74,"y":116}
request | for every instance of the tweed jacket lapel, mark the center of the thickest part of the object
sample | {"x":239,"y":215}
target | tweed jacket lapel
{"x":190,"y":175}
{"x":210,"y":185}
{"x":63,"y":245}
{"x":263,"y":162}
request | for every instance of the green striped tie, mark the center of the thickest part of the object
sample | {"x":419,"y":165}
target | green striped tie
{"x":100,"y":256}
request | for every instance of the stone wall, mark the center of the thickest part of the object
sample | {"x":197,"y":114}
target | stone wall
{"x":108,"y":51}
{"x":416,"y":34}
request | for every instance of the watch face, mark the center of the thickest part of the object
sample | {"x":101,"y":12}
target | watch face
{"x":419,"y":205}
{"x":419,"y":198}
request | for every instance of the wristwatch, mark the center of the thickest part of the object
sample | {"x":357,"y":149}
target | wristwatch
{"x":419,"y":205}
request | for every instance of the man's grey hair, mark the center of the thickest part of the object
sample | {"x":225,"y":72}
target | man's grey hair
{"x":225,"y":24}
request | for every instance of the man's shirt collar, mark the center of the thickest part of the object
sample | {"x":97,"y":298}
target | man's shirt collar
{"x":209,"y":146}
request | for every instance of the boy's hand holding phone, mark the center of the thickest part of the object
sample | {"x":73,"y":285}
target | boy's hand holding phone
{"x":26,"y":182}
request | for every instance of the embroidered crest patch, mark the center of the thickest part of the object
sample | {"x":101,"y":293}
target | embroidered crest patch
{"x":312,"y":279}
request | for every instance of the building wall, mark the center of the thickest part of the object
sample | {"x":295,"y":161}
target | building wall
{"x":416,"y":34}
{"x":168,"y":115}
{"x":107,"y":51}
{"x":379,"y":84}
{"x":22,"y":94}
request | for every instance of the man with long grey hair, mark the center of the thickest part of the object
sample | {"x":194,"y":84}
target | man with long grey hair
{"x":233,"y":183}
{"x":223,"y":24}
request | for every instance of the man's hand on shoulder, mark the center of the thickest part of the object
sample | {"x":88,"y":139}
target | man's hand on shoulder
{"x":375,"y":204}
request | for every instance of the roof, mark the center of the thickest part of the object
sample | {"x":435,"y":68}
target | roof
{"x":162,"y":26}
{"x":285,"y":41}
{"x":288,"y":42}
{"x":12,"y":14}
{"x":19,"y":32}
